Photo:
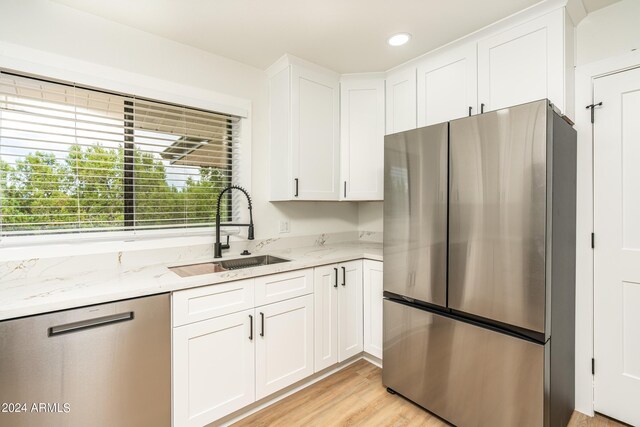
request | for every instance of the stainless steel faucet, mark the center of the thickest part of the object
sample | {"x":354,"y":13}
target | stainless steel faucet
{"x":218,"y":247}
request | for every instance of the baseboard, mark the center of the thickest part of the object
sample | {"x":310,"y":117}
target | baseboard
{"x":372,"y":359}
{"x":294,"y":388}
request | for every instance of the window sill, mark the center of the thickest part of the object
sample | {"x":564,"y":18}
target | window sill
{"x":28,"y":247}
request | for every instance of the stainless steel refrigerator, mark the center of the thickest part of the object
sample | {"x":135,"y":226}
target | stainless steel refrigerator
{"x":479,"y":267}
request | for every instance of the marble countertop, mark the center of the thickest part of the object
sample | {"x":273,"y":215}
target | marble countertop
{"x":42,"y":293}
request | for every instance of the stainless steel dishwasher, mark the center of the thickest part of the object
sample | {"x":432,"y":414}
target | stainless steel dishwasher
{"x":103,"y":365}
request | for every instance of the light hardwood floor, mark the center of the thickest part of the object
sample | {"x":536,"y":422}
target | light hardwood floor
{"x":355,"y":396}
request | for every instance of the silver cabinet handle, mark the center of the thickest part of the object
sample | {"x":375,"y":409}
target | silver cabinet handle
{"x":90,"y":323}
{"x":336,"y":271}
{"x":344,"y":276}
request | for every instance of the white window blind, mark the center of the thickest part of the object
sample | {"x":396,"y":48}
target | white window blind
{"x":77,"y":159}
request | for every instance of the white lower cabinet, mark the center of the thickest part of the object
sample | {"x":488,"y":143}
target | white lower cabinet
{"x":222,"y":363}
{"x":213,"y":369}
{"x":225,"y":361}
{"x":284,"y":344}
{"x":338,"y":317}
{"x":326,"y":316}
{"x":373,"y":289}
{"x":350,"y":310}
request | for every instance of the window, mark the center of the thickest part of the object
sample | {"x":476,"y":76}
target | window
{"x":75,"y":159}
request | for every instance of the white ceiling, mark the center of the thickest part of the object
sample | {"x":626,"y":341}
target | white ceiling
{"x":592,"y":5}
{"x":347,"y":36}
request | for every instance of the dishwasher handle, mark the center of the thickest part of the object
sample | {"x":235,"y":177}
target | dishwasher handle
{"x":90,"y":323}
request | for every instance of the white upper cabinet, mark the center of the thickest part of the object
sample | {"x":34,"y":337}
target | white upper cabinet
{"x":523,"y":64}
{"x":447,"y":85}
{"x":304,"y":131}
{"x":362,"y":137}
{"x":327,"y":132}
{"x":401,"y":100}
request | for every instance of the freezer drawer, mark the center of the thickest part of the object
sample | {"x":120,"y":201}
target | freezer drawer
{"x":415,"y":214}
{"x":498,"y":212}
{"x":103,"y":366}
{"x":466,"y":374}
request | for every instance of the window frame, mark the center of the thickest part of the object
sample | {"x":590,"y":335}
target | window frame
{"x":240,"y":176}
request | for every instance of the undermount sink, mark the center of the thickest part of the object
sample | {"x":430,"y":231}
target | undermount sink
{"x":254,"y":261}
{"x":229,"y":264}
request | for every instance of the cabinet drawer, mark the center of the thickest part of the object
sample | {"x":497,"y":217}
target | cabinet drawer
{"x":206,"y":302}
{"x":282,"y":286}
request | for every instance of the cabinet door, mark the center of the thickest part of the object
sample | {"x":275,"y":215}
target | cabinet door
{"x":326,"y":316}
{"x":447,"y":85}
{"x":362,"y":138}
{"x":349,"y":309}
{"x":284,"y":344}
{"x":315,"y":134}
{"x":401,"y":100}
{"x":373,"y":307}
{"x":213,"y":368}
{"x":523,"y":64}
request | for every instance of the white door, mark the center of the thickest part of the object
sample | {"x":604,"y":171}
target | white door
{"x":362,"y":137}
{"x":523,"y":64}
{"x":448,"y":85}
{"x":284,"y":344}
{"x":213,"y":368}
{"x":325,"y":304}
{"x":617,"y":246}
{"x":373,"y":288}
{"x":315,"y":134}
{"x":400,"y":99}
{"x":350,"y":318}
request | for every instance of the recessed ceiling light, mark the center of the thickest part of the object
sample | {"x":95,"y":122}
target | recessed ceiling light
{"x":399,"y":39}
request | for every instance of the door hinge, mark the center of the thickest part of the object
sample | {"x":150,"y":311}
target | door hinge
{"x":593,"y":107}
{"x":593,"y":366}
{"x":593,"y":240}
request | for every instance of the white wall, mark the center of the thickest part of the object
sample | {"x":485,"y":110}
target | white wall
{"x":370,"y":216}
{"x":604,"y":43}
{"x":44,"y":32}
{"x":609,"y":32}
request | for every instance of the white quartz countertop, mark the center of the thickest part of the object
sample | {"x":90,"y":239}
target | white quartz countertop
{"x":26,"y":296}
